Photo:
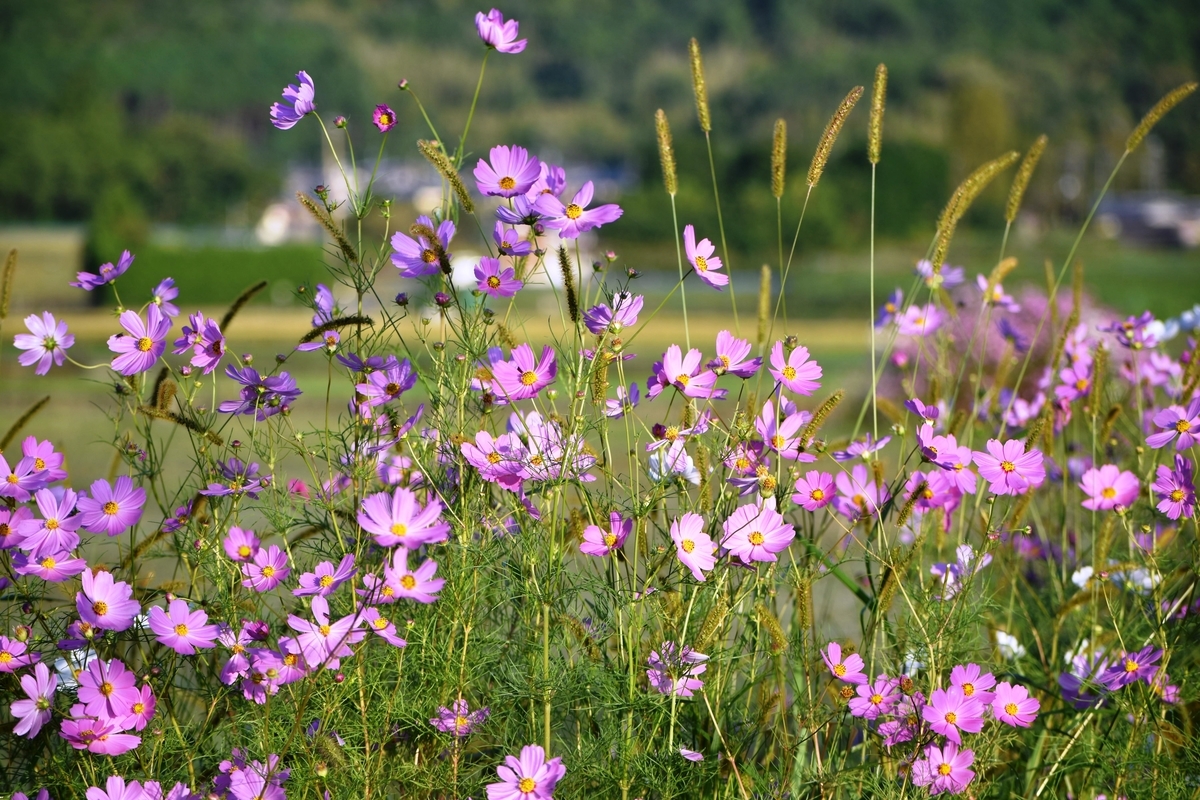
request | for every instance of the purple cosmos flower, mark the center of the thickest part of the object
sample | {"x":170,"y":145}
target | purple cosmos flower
{"x":509,"y":242}
{"x":848,"y":668}
{"x":418,"y":257}
{"x":34,"y":711}
{"x":1174,"y":421}
{"x":263,"y":397}
{"x":418,"y":584}
{"x":675,"y":670}
{"x":325,"y":643}
{"x":756,"y":533}
{"x":326,"y":578}
{"x":387,"y":384}
{"x":203,"y":337}
{"x":112,"y":509}
{"x":268,"y":569}
{"x":626,"y":400}
{"x":686,"y":373}
{"x":241,"y":544}
{"x":182,"y":514}
{"x":144,"y":342}
{"x":692,"y":544}
{"x":495,"y":281}
{"x":858,"y":496}
{"x":890,"y":308}
{"x":920,"y":320}
{"x":673,"y":460}
{"x":700,"y":256}
{"x":995,"y":296}
{"x":783,"y":437}
{"x":1012,"y":705}
{"x":398,"y":519}
{"x":382,"y":626}
{"x":162,"y":296}
{"x":459,"y":719}
{"x":575,"y":218}
{"x":20,"y":481}
{"x":863,"y":448}
{"x":523,"y":377}
{"x":237,"y":480}
{"x":528,"y":211}
{"x":46,"y":342}
{"x":952,"y":577}
{"x":54,"y":568}
{"x":301,"y":97}
{"x":105,"y":603}
{"x":1109,"y":487}
{"x":796,"y":372}
{"x":56,"y":531}
{"x":13,"y":655}
{"x":1132,"y":667}
{"x":731,"y":357}
{"x":875,"y":699}
{"x":498,"y":459}
{"x":600,"y":542}
{"x":10,"y":526}
{"x":384,"y":118}
{"x":101,"y":736}
{"x":1008,"y":468}
{"x":814,"y":491}
{"x":949,"y":276}
{"x":944,"y":769}
{"x":624,"y":313}
{"x":950,"y":711}
{"x":531,"y":777}
{"x":502,"y":36}
{"x":262,"y":679}
{"x":46,"y":463}
{"x":182,"y":629}
{"x":106,"y":274}
{"x":116,"y":789}
{"x":1175,"y":488}
{"x":1136,"y":333}
{"x":510,"y":171}
{"x":107,"y":690}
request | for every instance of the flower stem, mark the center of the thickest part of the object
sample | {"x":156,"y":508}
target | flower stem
{"x":462,"y":141}
{"x":721,"y":227}
{"x":687,"y":336}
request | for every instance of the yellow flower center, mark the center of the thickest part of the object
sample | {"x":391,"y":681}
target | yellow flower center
{"x":968,"y":689}
{"x":51,"y":524}
{"x":1108,"y":493}
{"x":428,"y":256}
{"x":1081,"y":384}
{"x":461,"y":722}
{"x":756,"y":538}
{"x":5,"y":656}
{"x":392,"y":388}
{"x":671,"y":433}
{"x":385,"y":119}
{"x":381,"y":623}
{"x":39,"y":464}
{"x":537,"y":460}
{"x":1130,"y":665}
{"x":111,"y":508}
{"x":527,"y":785}
{"x":876,"y":699}
{"x":244,"y":551}
{"x":777,"y":441}
{"x":839,"y":670}
{"x":742,"y":464}
{"x":291,"y":659}
{"x":493,"y":457}
{"x":12,"y":478}
{"x":507,"y":183}
{"x":1176,"y":495}
{"x":181,"y":629}
{"x":573,"y":212}
{"x":817,"y":494}
{"x":789,"y":372}
{"x":324,"y":629}
{"x":725,"y":361}
{"x":326,"y":581}
{"x":106,"y":688}
{"x":389,"y":591}
{"x":688,"y":545}
{"x":100,"y":608}
{"x":683,"y":379}
{"x":701,"y":264}
{"x":951,"y":717}
{"x":528,"y":378}
{"x":268,"y":571}
{"x":144,"y":344}
{"x":943,"y":769}
{"x":408,"y":582}
{"x":1010,"y":709}
{"x":5,"y":529}
{"x":493,"y":282}
{"x":49,"y":563}
{"x":398,"y":529}
{"x":1183,"y":426}
{"x":1008,"y":466}
{"x":609,"y":539}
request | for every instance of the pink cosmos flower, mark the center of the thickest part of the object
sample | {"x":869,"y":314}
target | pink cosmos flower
{"x":919,"y":320}
{"x":18,"y":482}
{"x":1109,"y":487}
{"x":34,"y":711}
{"x":203,"y":337}
{"x":700,"y":256}
{"x":10,"y":526}
{"x":691,"y":755}
{"x":1174,"y":421}
{"x":531,"y":777}
{"x":1175,"y":489}
{"x":511,"y":171}
{"x":106,"y":274}
{"x":523,"y":377}
{"x":575,"y":218}
{"x":182,"y":629}
{"x":141,"y":711}
{"x":380,"y":625}
{"x":1008,"y":468}
{"x":996,"y":296}
{"x":1076,"y":382}
{"x":46,"y":342}
{"x":509,"y":242}
{"x":675,"y":670}
{"x":693,"y":546}
{"x":623,"y":314}
{"x":944,"y":769}
{"x":418,"y":584}
{"x":954,"y":460}
{"x":973,"y":682}
{"x":686,"y":373}
{"x":112,"y":509}
{"x":814,"y":491}
{"x":116,"y":789}
{"x":625,"y":401}
{"x":325,"y":643}
{"x":389,"y":383}
{"x":398,"y":519}
{"x":418,"y":257}
{"x":858,"y":494}
{"x":459,"y":719}
{"x":495,"y":281}
{"x":383,"y":118}
{"x":600,"y":542}
{"x":848,"y":668}
{"x":1012,"y":705}
{"x":950,"y":711}
{"x":46,"y":463}
{"x":268,"y":569}
{"x":499,"y":459}
{"x":301,"y":97}
{"x":326,"y":578}
{"x":55,"y":532}
{"x":54,"y":568}
{"x":107,"y":689}
{"x":241,"y":544}
{"x":107,"y":604}
{"x":796,"y":372}
{"x":783,"y":437}
{"x":13,"y":655}
{"x":499,"y":34}
{"x":162,"y":296}
{"x":756,"y":533}
{"x":101,"y":736}
{"x":143,"y":342}
{"x":875,"y":699}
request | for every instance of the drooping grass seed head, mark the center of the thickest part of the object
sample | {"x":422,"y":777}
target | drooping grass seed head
{"x":829,"y":137}
{"x":1169,"y":101}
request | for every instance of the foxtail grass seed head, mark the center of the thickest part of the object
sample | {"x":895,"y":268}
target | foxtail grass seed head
{"x":564,"y":264}
{"x":829,"y":137}
{"x":240,"y":302}
{"x":768,"y":620}
{"x":698,"y":85}
{"x":764,"y":304}
{"x":819,"y":416}
{"x":1024,"y":172}
{"x":1110,"y":419}
{"x":875,"y":126}
{"x":803,"y":600}
{"x":1169,"y":101}
{"x":330,"y":226}
{"x":6,"y":283}
{"x":713,"y":621}
{"x":666,"y":153}
{"x":779,"y":158}
{"x":441,"y":162}
{"x":961,"y":200}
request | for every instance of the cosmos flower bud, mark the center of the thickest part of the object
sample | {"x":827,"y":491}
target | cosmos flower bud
{"x":402,"y":85}
{"x":402,"y":299}
{"x":339,"y":121}
{"x":442,"y":299}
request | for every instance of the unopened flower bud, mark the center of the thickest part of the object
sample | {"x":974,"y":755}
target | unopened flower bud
{"x":402,"y":85}
{"x":247,"y":358}
{"x":280,"y":358}
{"x":322,"y":769}
{"x":402,"y":299}
{"x":442,"y":299}
{"x":339,"y":121}
{"x":22,"y":633}
{"x":633,"y":273}
{"x":439,"y":346}
{"x":598,"y":266}
{"x":339,"y":678}
{"x":552,"y":394}
{"x":185,"y":370}
{"x":610,"y":255}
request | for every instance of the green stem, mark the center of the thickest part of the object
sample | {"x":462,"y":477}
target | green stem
{"x":687,"y":337}
{"x":462,"y":141}
{"x":721,"y":227}
{"x":871,"y":319}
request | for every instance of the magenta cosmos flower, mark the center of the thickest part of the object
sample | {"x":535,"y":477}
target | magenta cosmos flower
{"x":496,"y":281}
{"x":268,"y":569}
{"x":54,"y":568}
{"x":117,"y":789}
{"x":508,"y":172}
{"x":575,"y":218}
{"x":1175,"y":489}
{"x":54,"y":533}
{"x":417,"y":257}
{"x":700,"y":256}
{"x":624,"y":313}
{"x":418,"y":584}
{"x":1008,"y":468}
{"x":301,"y":97}
{"x":105,"y":603}
{"x":101,"y":736}
{"x":796,"y":372}
{"x":530,"y":777}
{"x":523,"y":377}
{"x":106,"y":274}
{"x":34,"y":711}
{"x":1174,"y":421}
{"x":203,"y":337}
{"x":600,"y":542}
{"x":1012,"y":705}
{"x":1109,"y":487}
{"x":398,"y":519}
{"x":814,"y":491}
{"x":182,"y":629}
{"x":382,"y":627}
{"x":973,"y":681}
{"x":919,"y":320}
{"x":676,"y":670}
{"x":162,"y":296}
{"x":13,"y":655}
{"x":144,"y":342}
{"x":112,"y":509}
{"x":46,"y":342}
{"x":944,"y":769}
{"x":731,"y":357}
{"x":692,"y":544}
{"x":325,"y":643}
{"x":384,"y":118}
{"x":241,"y":544}
{"x":326,"y":578}
{"x":108,"y":690}
{"x":498,"y":34}
{"x":686,"y":373}
{"x":509,"y":242}
{"x":875,"y":699}
{"x":950,"y":711}
{"x":756,"y":533}
{"x":459,"y":719}
{"x":848,"y":668}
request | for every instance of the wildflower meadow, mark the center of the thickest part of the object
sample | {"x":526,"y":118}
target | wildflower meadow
{"x":495,"y":565}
